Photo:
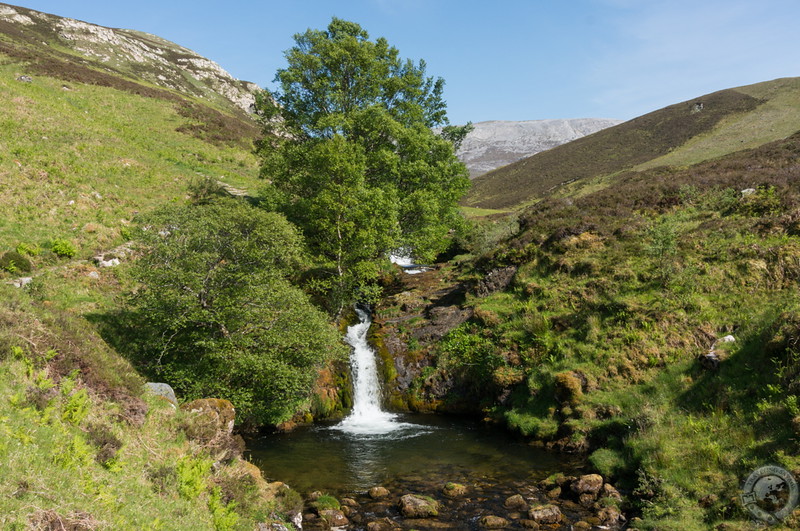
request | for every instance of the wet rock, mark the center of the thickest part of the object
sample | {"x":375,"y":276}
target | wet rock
{"x":554,"y":493}
{"x":454,"y":490}
{"x":334,"y":518}
{"x":545,"y":514}
{"x":314,"y":496}
{"x":384,"y":524}
{"x":581,"y":526}
{"x":516,"y":503}
{"x":416,"y":506}
{"x":610,"y":492}
{"x":586,"y":499}
{"x":529,"y":524}
{"x":610,"y":516}
{"x":493,"y":522}
{"x":349,"y":502}
{"x":588,"y":484}
{"x":378,"y":492}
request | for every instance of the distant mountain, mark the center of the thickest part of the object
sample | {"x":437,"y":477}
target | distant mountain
{"x":79,"y":51}
{"x":683,"y":134}
{"x":497,"y":143}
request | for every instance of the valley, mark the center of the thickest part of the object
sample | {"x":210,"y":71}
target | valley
{"x":604,"y":333}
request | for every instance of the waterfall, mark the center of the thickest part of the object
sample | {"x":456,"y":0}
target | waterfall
{"x":367,"y":416}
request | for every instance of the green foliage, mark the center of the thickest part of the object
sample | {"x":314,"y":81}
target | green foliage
{"x":14,"y":262}
{"x":325,"y":502}
{"x":609,"y":463}
{"x":77,"y":407}
{"x":217,"y":314}
{"x":223,"y":515}
{"x":464,"y":349}
{"x":63,"y":248}
{"x":351,"y":156}
{"x":28,"y":249}
{"x":192,"y":476}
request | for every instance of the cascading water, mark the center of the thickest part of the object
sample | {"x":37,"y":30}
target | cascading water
{"x":367,"y":416}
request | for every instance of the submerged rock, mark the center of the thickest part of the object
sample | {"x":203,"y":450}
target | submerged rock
{"x":493,"y":522}
{"x":416,"y":506}
{"x":516,"y":503}
{"x":454,"y":490}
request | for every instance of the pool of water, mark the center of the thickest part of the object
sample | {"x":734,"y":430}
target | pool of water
{"x":425,"y":449}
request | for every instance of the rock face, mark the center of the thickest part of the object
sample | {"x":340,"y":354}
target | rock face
{"x":498,"y":143}
{"x":141,"y":55}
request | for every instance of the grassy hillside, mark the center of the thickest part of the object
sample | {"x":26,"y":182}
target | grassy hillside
{"x":77,"y":161}
{"x":686,"y":133}
{"x":84,"y":148}
{"x":601,"y":342}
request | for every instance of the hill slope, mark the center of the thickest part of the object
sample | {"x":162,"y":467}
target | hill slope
{"x":685,"y":133}
{"x":493,"y":144}
{"x":87,"y":142}
{"x":79,"y":51}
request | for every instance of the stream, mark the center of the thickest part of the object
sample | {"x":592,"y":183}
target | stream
{"x":404,"y":453}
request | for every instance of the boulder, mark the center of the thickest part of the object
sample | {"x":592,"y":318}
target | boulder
{"x":210,"y":418}
{"x":493,"y":522}
{"x":416,"y":506}
{"x":545,"y":514}
{"x":610,"y":517}
{"x":163,"y":390}
{"x":588,"y":484}
{"x":334,"y":517}
{"x":610,"y":492}
{"x":377,"y":493}
{"x":516,"y":503}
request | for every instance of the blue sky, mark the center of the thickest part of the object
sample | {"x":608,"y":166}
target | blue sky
{"x":502,"y":59}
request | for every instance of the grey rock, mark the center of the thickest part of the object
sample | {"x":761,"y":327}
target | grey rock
{"x":25,"y":79}
{"x":162,"y":390}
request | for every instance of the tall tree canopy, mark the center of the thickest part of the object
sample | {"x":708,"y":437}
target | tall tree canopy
{"x":351,"y":154}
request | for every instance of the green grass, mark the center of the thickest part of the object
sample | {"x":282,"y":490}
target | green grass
{"x":79,"y":164}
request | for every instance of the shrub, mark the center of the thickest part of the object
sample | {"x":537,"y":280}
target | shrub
{"x":14,"y":262}
{"x":63,"y":248}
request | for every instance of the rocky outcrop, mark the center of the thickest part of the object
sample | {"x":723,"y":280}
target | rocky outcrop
{"x":138,"y":55}
{"x":493,"y":144}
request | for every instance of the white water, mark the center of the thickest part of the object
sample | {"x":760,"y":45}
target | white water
{"x":405,"y":261}
{"x":367,"y":417}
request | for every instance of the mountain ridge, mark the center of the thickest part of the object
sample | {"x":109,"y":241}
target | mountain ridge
{"x":496,"y":143}
{"x":136,"y":55}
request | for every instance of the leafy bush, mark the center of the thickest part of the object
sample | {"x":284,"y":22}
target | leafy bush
{"x":63,"y":248}
{"x":14,"y":262}
{"x":217,"y":314}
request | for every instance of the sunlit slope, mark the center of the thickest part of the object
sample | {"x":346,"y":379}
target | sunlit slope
{"x":682,"y":134}
{"x":78,"y":160}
